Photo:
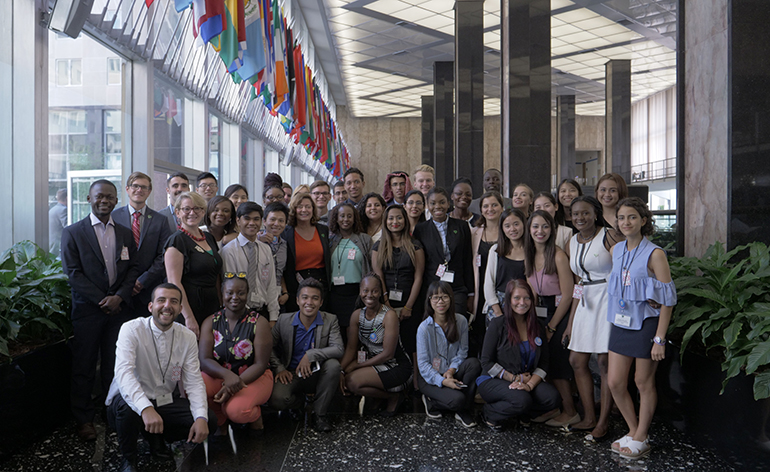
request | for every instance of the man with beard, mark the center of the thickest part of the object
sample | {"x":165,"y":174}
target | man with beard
{"x":493,"y":180}
{"x":177,"y":184}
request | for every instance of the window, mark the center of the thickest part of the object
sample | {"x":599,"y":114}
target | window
{"x":215,"y":143}
{"x":168,"y":124}
{"x":69,"y":72}
{"x":114,"y":71}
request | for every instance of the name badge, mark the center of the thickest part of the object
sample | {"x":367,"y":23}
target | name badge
{"x":351,"y":254}
{"x":253,"y":298}
{"x":542,"y":312}
{"x":361,"y":357}
{"x":449,"y":277}
{"x":626,"y":278}
{"x":577,"y":292}
{"x":163,"y":400}
{"x":558,"y":300}
{"x":299,"y":277}
{"x":622,"y":320}
{"x":478,"y":260}
{"x":124,"y":254}
{"x":436,"y":364}
{"x":265,"y":273}
{"x":440,"y":271}
{"x":339,"y":280}
{"x":395,"y":295}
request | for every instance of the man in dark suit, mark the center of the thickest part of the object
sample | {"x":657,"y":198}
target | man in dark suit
{"x":176,"y":184}
{"x":150,"y":231}
{"x":98,"y":256}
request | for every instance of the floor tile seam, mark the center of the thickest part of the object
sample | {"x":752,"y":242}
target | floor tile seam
{"x":286,"y":454}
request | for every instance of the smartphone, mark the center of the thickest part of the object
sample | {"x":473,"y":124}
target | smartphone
{"x":463,"y":386}
{"x":315,"y":366}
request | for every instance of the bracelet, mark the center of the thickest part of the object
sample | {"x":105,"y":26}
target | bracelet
{"x":550,"y":330}
{"x":406,"y":308}
{"x":284,"y":293}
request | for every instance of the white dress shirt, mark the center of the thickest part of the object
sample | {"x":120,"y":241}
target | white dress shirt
{"x":139,"y":367}
{"x":264,"y":290}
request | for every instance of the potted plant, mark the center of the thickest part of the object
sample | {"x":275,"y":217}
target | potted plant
{"x":34,"y":358}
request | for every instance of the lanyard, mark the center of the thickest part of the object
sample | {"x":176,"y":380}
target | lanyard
{"x":435,"y":343}
{"x":341,"y":253}
{"x":625,"y":269}
{"x":584,"y":252}
{"x":157,"y":355}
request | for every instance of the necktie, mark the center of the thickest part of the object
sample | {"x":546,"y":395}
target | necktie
{"x":135,"y":228}
{"x":252,"y":270}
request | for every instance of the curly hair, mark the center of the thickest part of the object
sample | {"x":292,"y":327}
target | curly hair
{"x":334,"y":226}
{"x":295,"y":202}
{"x":365,"y":222}
{"x":638,"y":204}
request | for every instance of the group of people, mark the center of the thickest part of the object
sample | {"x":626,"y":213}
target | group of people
{"x":415,"y":288}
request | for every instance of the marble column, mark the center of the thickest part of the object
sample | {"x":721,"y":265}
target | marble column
{"x":427,"y":130}
{"x":526,"y":93}
{"x":443,"y":122}
{"x":618,"y":117}
{"x":469,"y":91}
{"x":565,"y":136}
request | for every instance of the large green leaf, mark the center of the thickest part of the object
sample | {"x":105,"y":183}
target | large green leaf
{"x":731,"y":333}
{"x":759,"y":356}
{"x":702,"y":293}
{"x":762,"y":386}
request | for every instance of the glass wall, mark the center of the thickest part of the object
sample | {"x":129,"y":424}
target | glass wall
{"x":168,"y":124}
{"x":215,"y":145}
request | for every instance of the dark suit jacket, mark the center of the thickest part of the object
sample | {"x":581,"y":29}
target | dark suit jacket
{"x":149,"y":255}
{"x":328,"y":341}
{"x":289,"y":273}
{"x":84,"y":265}
{"x":459,"y":242}
{"x":168,"y":213}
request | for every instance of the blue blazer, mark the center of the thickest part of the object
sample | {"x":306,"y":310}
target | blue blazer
{"x":152,"y":243}
{"x":84,"y":265}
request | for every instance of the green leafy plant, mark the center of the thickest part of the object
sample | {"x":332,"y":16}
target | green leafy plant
{"x":724,"y":305}
{"x":34,"y":296}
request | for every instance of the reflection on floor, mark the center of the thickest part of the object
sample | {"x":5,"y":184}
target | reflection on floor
{"x":408,"y":442}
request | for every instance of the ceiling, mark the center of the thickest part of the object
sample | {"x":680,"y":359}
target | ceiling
{"x":378,"y":55}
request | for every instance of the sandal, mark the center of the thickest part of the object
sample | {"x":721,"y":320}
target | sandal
{"x":596,"y":439}
{"x":621,"y":443}
{"x":638,"y":449}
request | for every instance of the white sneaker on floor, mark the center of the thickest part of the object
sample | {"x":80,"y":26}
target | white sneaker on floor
{"x":466,"y":419}
{"x":429,"y":412}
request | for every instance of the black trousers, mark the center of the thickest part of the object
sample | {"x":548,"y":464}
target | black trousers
{"x":95,"y":337}
{"x":177,"y":421}
{"x":323,"y":384}
{"x":445,"y":398}
{"x":503,"y":402}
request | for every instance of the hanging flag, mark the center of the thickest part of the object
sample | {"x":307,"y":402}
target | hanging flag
{"x":181,"y":4}
{"x":300,"y":107}
{"x":254,"y":51}
{"x":209,"y":19}
{"x":229,"y":43}
{"x":281,"y":85}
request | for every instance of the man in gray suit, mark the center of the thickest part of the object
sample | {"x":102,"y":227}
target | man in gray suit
{"x":57,"y":220}
{"x":176,"y":184}
{"x":150,"y":231}
{"x":307,"y":347}
{"x":493,"y":180}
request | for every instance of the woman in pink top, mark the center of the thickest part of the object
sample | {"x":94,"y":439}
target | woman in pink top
{"x":548,"y":272}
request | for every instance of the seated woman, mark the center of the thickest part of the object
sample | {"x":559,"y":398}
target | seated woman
{"x":514,"y":361}
{"x":235,"y":348}
{"x":447,"y":377}
{"x":373,"y":341}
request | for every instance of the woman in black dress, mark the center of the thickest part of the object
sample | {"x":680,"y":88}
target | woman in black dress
{"x":193,"y":262}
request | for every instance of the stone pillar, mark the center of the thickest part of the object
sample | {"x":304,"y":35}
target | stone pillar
{"x":427,"y":130}
{"x":469,"y":91}
{"x":565,"y":136}
{"x":526,"y":93}
{"x":443,"y":112}
{"x":617,"y":117}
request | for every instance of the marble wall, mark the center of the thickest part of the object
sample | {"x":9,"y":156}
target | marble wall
{"x":707,"y":111}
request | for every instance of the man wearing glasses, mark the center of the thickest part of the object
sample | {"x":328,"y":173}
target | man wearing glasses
{"x":207,"y":185}
{"x":98,"y":256}
{"x":320,"y":192}
{"x":150,"y":233}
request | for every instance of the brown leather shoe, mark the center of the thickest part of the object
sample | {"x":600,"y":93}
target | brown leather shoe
{"x":87,"y":432}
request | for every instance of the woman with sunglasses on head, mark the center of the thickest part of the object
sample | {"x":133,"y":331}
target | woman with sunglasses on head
{"x":588,"y":329}
{"x":220,"y":220}
{"x":447,"y":376}
{"x":351,"y":250}
{"x":547,"y":270}
{"x":415,"y":209}
{"x":370,"y":209}
{"x":375,"y":364}
{"x":515,"y":361}
{"x":568,"y":190}
{"x":640,"y":275}
{"x":547,"y":202}
{"x":234,"y":353}
{"x":193,"y":262}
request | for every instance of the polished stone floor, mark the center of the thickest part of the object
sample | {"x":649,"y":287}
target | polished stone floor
{"x":408,"y":442}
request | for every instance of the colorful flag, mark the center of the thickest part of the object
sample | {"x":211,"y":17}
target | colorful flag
{"x":229,"y":43}
{"x":181,"y":4}
{"x":209,"y":19}
{"x":254,"y":51}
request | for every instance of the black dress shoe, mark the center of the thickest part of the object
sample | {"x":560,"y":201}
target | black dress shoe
{"x":322,"y":424}
{"x":158,"y":448}
{"x":87,"y":432}
{"x":127,"y":465}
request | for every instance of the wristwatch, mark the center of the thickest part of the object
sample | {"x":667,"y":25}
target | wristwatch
{"x":659,"y":341}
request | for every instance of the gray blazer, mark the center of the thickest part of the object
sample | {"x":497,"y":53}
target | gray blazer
{"x":168,"y":213}
{"x":328,"y":341}
{"x":364,"y":244}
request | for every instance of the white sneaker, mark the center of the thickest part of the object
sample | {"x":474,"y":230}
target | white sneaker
{"x":434,"y":415}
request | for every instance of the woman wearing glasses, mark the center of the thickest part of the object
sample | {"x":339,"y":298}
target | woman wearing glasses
{"x":193,"y":262}
{"x":234,"y":350}
{"x":447,"y":377}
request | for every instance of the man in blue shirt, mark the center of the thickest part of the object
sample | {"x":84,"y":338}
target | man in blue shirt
{"x":307,"y":346}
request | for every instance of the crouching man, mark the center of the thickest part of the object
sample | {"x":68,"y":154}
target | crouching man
{"x":307,"y":347}
{"x":153,"y":355}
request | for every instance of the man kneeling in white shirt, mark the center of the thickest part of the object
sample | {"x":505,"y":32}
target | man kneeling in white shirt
{"x":153,"y":355}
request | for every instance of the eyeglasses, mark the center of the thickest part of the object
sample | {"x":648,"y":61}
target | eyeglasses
{"x":187,"y":210}
{"x":207,"y":186}
{"x":439,"y":298}
{"x":320,"y":194}
{"x":230,"y":275}
{"x":143,"y":188}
